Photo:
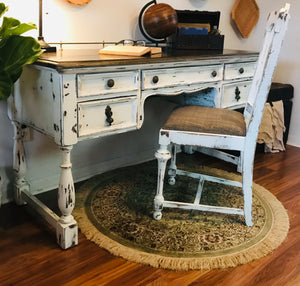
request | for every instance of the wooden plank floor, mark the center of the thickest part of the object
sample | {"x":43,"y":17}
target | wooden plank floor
{"x":30,"y":256}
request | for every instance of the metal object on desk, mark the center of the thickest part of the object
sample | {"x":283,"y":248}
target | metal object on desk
{"x":157,"y":21}
{"x":45,"y":46}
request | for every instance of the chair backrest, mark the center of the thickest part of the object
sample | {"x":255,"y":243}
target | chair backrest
{"x":275,"y":30}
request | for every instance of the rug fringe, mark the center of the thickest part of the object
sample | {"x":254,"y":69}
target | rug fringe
{"x":275,"y":236}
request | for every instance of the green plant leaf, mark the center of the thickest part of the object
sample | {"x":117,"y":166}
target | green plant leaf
{"x":6,"y":85}
{"x":3,"y":9}
{"x":19,"y":51}
{"x":12,"y":26}
{"x":15,"y":52}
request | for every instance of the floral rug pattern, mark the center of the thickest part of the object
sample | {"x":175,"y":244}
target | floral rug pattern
{"x":119,"y":204}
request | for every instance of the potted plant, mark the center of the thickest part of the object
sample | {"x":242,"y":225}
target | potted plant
{"x":16,"y":51}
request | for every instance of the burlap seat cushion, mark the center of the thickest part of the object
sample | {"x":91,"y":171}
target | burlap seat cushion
{"x":207,"y":120}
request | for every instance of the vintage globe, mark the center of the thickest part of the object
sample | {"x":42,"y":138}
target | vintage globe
{"x":160,"y":21}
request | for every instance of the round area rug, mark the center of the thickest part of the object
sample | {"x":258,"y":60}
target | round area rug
{"x":114,"y":210}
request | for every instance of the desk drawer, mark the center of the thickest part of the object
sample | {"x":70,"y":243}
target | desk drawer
{"x":181,"y":76}
{"x":106,"y":83}
{"x":93,"y":116}
{"x":239,"y":70}
{"x":235,"y":95}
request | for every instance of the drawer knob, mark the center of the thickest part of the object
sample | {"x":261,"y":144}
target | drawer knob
{"x":214,"y":74}
{"x":241,"y":70}
{"x":108,"y":114}
{"x":155,"y":79}
{"x":237,"y":94}
{"x":110,"y":83}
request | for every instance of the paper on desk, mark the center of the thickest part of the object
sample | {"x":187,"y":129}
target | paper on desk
{"x":135,"y":51}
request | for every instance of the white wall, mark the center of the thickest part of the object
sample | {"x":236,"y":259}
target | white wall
{"x":113,"y":21}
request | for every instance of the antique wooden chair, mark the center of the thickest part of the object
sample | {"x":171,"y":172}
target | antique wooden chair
{"x":222,"y":129}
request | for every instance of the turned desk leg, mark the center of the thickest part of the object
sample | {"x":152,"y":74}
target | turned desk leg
{"x":19,"y":163}
{"x":66,"y":226}
{"x":67,"y":229}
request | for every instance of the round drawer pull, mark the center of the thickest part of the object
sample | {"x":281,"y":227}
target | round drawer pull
{"x":155,"y":79}
{"x":214,"y":74}
{"x":110,"y":83}
{"x":241,"y":70}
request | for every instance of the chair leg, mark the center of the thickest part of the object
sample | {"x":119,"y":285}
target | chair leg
{"x":247,"y":164}
{"x":162,"y":155}
{"x":172,"y":167}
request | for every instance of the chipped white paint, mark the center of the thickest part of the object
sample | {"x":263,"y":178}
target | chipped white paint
{"x":66,"y":112}
{"x":107,"y":83}
{"x":275,"y":30}
{"x":67,"y":229}
{"x":19,"y":162}
{"x":162,"y":156}
{"x":92,"y":115}
{"x":174,"y":77}
{"x":239,"y":70}
{"x":81,"y":103}
{"x":235,"y":94}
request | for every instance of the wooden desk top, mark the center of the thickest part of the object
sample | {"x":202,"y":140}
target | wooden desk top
{"x":78,"y":58}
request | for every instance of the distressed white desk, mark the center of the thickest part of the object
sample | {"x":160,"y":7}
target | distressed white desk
{"x":77,"y":95}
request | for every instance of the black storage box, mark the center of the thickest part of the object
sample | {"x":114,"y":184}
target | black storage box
{"x":212,"y":41}
{"x":284,"y":92}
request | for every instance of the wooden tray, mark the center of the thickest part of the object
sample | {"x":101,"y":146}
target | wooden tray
{"x":245,"y":14}
{"x":79,"y":2}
